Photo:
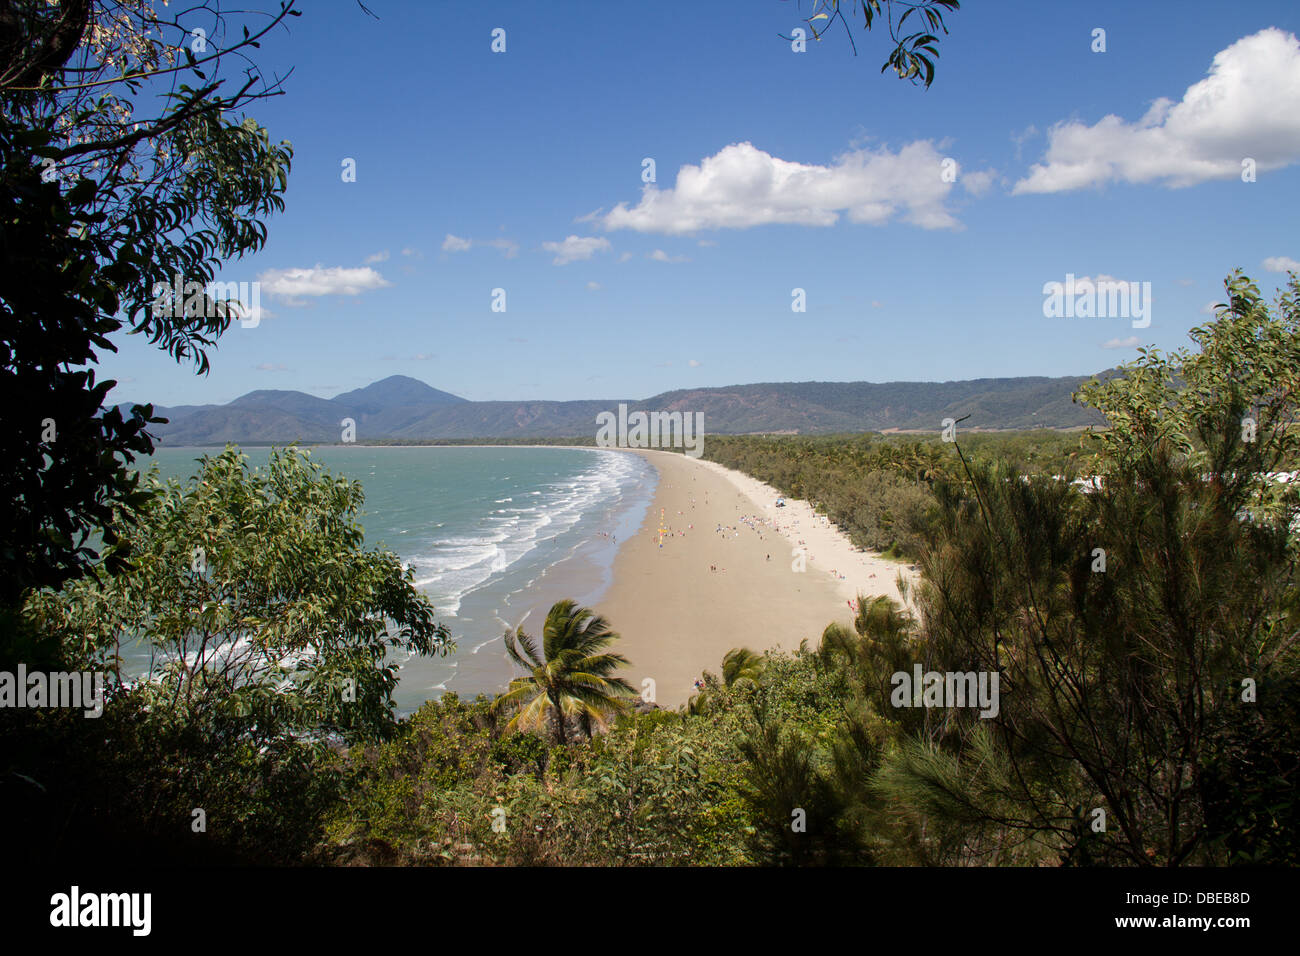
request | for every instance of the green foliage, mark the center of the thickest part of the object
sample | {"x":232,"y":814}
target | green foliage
{"x":256,"y":591}
{"x":1251,"y":776}
{"x":570,"y":680}
{"x":654,"y":789}
{"x":255,"y":644}
{"x":796,"y":810}
{"x":87,"y":229}
{"x":211,"y":213}
{"x":877,"y":489}
{"x":125,"y":786}
{"x":1118,"y":682}
{"x":65,"y":455}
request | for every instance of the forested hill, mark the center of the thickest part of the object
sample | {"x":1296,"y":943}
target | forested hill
{"x":400,"y":407}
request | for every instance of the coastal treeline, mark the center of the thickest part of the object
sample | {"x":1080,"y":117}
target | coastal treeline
{"x":879,"y":489}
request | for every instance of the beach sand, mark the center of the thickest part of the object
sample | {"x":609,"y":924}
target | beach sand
{"x":677,"y":618}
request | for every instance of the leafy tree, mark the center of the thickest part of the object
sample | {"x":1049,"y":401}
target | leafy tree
{"x":570,"y":680}
{"x":270,"y":630}
{"x":103,"y":204}
{"x":1230,"y":407}
{"x":878,"y":647}
{"x":66,"y":456}
{"x":1123,"y":622}
{"x":256,"y":593}
{"x":797,"y":812}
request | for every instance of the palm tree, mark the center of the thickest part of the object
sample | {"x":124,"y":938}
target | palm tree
{"x":880,"y":647}
{"x":740,"y":663}
{"x":570,"y":680}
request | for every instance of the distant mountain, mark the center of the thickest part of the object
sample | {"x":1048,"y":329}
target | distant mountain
{"x":396,"y":391}
{"x":400,"y":408}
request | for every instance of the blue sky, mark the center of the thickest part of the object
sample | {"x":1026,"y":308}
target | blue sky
{"x":807,"y":170}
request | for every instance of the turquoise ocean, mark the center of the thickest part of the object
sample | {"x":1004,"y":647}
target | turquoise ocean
{"x":494,"y":536}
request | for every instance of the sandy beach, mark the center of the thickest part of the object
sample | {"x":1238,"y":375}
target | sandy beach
{"x":730,"y":570}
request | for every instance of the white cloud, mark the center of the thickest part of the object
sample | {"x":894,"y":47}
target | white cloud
{"x":1209,"y":308}
{"x":269,"y":367}
{"x":694,"y":363}
{"x":877,"y":304}
{"x":290,"y":284}
{"x":377,"y":257}
{"x":413,"y":253}
{"x":660,"y":256}
{"x":1186,"y":282}
{"x":706,"y":243}
{"x":624,"y":257}
{"x":576,"y":248}
{"x":593,"y":286}
{"x":1281,"y":264}
{"x":743,"y":186}
{"x":507,"y":247}
{"x":1131,"y":342}
{"x":1248,"y":106}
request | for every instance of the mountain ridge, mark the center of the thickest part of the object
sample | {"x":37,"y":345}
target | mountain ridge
{"x":403,"y":408}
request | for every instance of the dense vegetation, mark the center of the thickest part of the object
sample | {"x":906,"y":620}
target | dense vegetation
{"x":1145,"y":634}
{"x":117,"y":177}
{"x":879,"y":489}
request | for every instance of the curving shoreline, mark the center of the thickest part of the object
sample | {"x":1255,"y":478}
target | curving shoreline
{"x":677,"y":618}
